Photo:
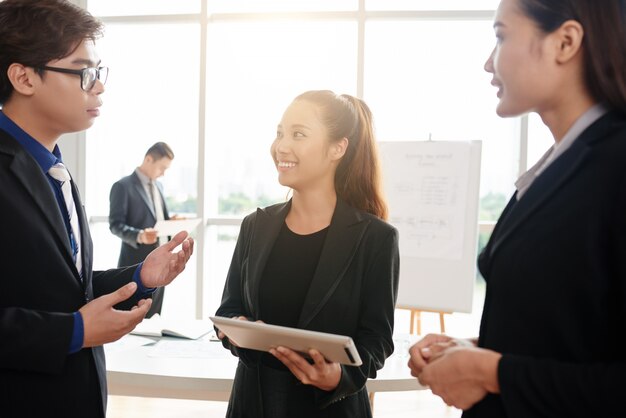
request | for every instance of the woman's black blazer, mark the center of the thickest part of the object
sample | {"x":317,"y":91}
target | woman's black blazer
{"x":555,"y":268}
{"x":353,"y":292}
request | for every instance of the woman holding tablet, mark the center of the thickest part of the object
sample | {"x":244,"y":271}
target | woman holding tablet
{"x":324,"y":261}
{"x":552,"y":339}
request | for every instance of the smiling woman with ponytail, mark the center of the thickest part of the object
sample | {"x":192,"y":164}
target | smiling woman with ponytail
{"x":324,"y":261}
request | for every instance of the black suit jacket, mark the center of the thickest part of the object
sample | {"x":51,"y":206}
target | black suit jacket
{"x":353,"y":292}
{"x":40,"y":288}
{"x":130,"y":211}
{"x":555,"y":268}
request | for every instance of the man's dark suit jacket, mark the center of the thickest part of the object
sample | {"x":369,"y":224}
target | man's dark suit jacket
{"x":555,"y":268}
{"x":353,"y":292}
{"x":40,"y":288}
{"x":130,"y":211}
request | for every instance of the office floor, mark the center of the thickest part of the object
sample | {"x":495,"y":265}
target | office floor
{"x":416,"y":404}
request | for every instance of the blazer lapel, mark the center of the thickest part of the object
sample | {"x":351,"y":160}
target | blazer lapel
{"x":142,"y":192}
{"x":266,"y":229}
{"x":342,"y":240}
{"x":38,"y":187}
{"x":547,"y":184}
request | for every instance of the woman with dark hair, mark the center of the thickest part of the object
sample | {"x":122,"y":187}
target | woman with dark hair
{"x":551,"y":341}
{"x":324,"y":261}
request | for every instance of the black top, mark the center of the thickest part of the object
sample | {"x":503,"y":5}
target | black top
{"x":287,"y":277}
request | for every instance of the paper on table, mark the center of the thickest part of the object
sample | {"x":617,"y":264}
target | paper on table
{"x":128,"y":342}
{"x":172,"y":227}
{"x":189,"y":349}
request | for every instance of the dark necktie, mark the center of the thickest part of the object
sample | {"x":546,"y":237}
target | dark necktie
{"x":60,"y":173}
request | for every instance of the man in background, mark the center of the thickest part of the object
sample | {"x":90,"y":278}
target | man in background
{"x":136,"y":204}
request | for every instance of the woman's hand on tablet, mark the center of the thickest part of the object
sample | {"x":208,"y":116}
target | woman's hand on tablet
{"x":321,"y":374}
{"x":221,"y":335}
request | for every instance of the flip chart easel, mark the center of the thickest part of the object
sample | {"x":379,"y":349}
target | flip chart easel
{"x":432,"y":191}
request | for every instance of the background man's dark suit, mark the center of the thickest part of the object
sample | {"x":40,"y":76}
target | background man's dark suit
{"x":40,"y":288}
{"x":132,"y":210}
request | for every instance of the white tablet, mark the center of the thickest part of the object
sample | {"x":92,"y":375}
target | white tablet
{"x":174,"y":226}
{"x":263,"y":337}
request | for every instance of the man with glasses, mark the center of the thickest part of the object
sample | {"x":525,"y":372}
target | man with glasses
{"x":55,"y":312}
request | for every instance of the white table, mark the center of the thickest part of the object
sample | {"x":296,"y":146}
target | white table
{"x":135,"y":371}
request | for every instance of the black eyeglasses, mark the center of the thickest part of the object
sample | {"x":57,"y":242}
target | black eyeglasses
{"x":88,"y":76}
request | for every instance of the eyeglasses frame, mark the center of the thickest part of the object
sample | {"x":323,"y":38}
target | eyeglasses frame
{"x":81,"y":73}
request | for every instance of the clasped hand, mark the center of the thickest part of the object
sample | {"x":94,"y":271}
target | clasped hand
{"x":148,"y":236}
{"x":457,"y":371}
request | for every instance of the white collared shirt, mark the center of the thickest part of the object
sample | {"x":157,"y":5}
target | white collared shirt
{"x":592,"y":114}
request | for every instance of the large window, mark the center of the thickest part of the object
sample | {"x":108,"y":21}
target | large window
{"x":424,"y":79}
{"x":142,"y":7}
{"x":212,"y":78}
{"x":151,"y":95}
{"x":542,"y":139}
{"x":254,"y":70}
{"x":265,"y":6}
{"x":450,"y":5}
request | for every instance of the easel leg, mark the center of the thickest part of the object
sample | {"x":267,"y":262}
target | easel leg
{"x":442,"y":324}
{"x":416,"y":321}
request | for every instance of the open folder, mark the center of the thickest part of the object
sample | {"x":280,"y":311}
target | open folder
{"x":158,"y":327}
{"x":172,"y":227}
{"x":263,"y":337}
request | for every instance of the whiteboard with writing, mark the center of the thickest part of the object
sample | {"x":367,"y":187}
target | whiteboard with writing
{"x":432,"y":191}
